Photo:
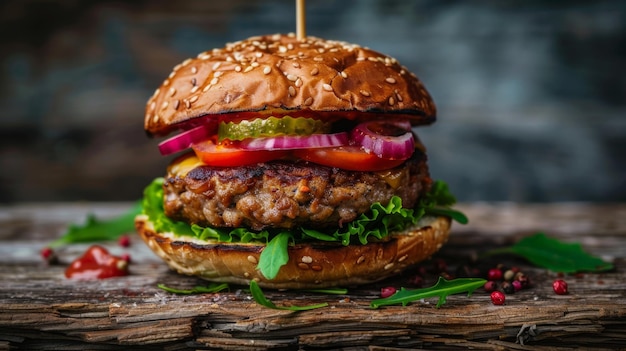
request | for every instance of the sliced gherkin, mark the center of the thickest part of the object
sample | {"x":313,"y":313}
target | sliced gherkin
{"x":271,"y":126}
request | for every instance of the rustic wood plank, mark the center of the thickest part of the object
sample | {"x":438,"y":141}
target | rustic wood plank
{"x":40,"y":309}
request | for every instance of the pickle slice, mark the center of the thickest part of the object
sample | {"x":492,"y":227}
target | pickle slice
{"x":271,"y":126}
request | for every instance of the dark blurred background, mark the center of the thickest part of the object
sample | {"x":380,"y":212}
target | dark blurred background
{"x":531,"y":94}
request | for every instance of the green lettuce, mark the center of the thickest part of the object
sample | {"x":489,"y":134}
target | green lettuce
{"x":377,"y":224}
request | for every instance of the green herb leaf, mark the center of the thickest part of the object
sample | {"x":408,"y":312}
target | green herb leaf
{"x":199,"y":289}
{"x":274,"y":255}
{"x":448,"y":212}
{"x":555,"y":255}
{"x":329,"y":291}
{"x":442,"y":289}
{"x":260,"y":298}
{"x":100,"y":230}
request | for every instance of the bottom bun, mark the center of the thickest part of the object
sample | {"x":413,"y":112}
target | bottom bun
{"x":310,"y":266}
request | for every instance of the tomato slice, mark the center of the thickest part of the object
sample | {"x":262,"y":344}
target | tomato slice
{"x":352,"y":158}
{"x":230,"y":155}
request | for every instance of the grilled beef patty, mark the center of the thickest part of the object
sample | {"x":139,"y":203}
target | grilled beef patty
{"x":283,"y":194}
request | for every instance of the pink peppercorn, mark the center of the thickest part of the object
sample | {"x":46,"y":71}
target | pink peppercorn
{"x":497,"y":297}
{"x":560,"y":287}
{"x":124,"y":241}
{"x":494,"y":274}
{"x":517,"y":285}
{"x":46,"y":253}
{"x":490,"y":286}
{"x":387,"y":291}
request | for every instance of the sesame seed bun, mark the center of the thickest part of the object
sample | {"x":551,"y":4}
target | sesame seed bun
{"x":310,"y":265}
{"x":279,"y":73}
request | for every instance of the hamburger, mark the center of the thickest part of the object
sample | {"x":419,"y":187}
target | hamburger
{"x":297,"y":166}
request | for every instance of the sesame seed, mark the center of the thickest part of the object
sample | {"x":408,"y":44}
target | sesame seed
{"x":307,"y":259}
{"x":321,"y":50}
{"x":166,"y":82}
{"x":295,"y":65}
{"x":177,"y":67}
{"x":193,"y":99}
{"x":258,"y":54}
{"x":308,"y":101}
{"x":316,"y":267}
{"x":194,"y":89}
{"x":164,"y":105}
{"x":176,"y":104}
{"x":152,"y":105}
{"x":390,"y":80}
{"x":327,"y":87}
{"x":318,"y":58}
{"x":193,"y":81}
{"x":398,"y":96}
{"x":248,"y":69}
{"x":254,"y":64}
{"x":391,"y":100}
{"x":252,"y":259}
{"x":315,"y":71}
{"x":388,"y":266}
{"x":237,"y":68}
{"x":292,"y":91}
{"x":298,"y":83}
{"x":206,"y":88}
{"x":360,"y":59}
{"x":204,"y":56}
{"x":303,"y":266}
{"x":282,"y":49}
{"x":172,"y":75}
{"x":186,"y":62}
{"x":216,"y":65}
{"x":187,"y":103}
{"x":267,"y":70}
{"x":333,"y":50}
{"x":372,"y":58}
{"x":214,"y":80}
{"x":344,"y":74}
{"x":218,"y":74}
{"x":155,"y":118}
{"x":364,"y":93}
{"x":403,"y":258}
{"x":360,"y":260}
{"x":291,"y":77}
{"x":194,"y":70}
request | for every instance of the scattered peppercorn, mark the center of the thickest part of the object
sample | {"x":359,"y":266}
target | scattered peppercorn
{"x":517,"y":285}
{"x":560,"y":287}
{"x":508,"y":288}
{"x":509,"y":275}
{"x":490,"y":286}
{"x":46,"y":253}
{"x":387,"y":291}
{"x":125,"y":257}
{"x":494,"y":274}
{"x":124,"y":241}
{"x":497,"y":297}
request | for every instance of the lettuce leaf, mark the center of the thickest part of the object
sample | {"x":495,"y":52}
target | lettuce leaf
{"x":377,"y":224}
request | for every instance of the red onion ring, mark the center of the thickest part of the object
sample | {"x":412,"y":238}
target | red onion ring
{"x":389,"y":140}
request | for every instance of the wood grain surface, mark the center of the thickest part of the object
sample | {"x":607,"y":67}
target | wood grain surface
{"x":42,"y":310}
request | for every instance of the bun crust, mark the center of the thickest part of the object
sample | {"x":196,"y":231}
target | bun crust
{"x":309,"y":266}
{"x":280,"y":72}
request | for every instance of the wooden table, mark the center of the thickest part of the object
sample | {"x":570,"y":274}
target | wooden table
{"x":40,"y":309}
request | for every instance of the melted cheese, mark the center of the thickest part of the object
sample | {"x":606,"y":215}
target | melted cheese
{"x":181,"y":166}
{"x":392,"y":176}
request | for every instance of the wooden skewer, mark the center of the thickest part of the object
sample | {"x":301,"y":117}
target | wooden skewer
{"x":300,"y":20}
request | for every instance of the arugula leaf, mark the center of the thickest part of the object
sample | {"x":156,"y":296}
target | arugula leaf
{"x":274,"y":255}
{"x":329,"y":291}
{"x":260,"y":298}
{"x":199,"y":289}
{"x":442,"y":289}
{"x":555,"y":255}
{"x":100,"y":230}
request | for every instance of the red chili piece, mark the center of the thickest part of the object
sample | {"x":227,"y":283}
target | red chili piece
{"x":97,"y":263}
{"x":497,"y":298}
{"x":387,"y":291}
{"x":560,"y":287}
